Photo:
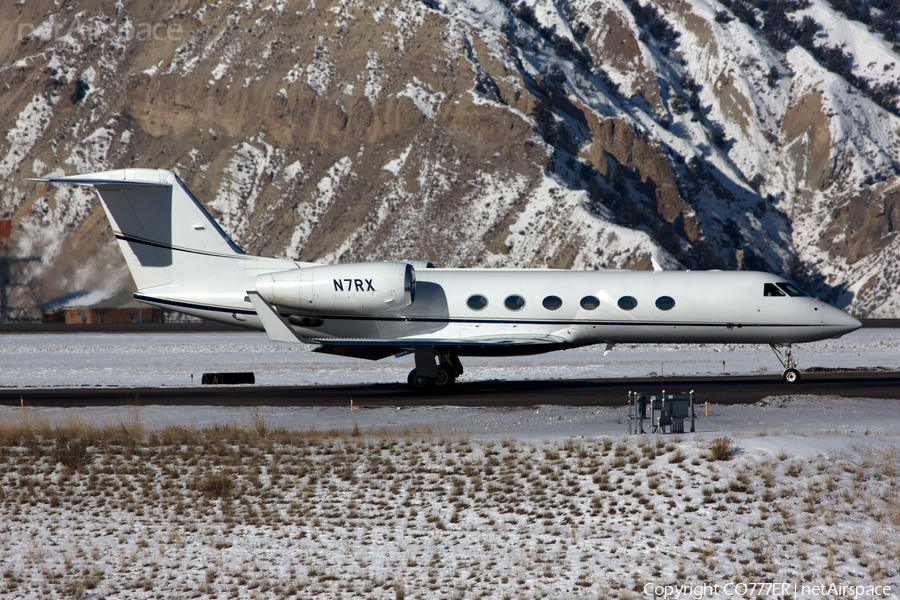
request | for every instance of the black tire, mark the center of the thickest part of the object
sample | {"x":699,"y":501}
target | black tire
{"x":418,"y":383}
{"x":445,"y":378}
{"x":791,"y":376}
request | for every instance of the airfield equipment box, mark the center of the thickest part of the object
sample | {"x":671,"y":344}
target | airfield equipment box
{"x":227,"y":378}
{"x":665,"y":411}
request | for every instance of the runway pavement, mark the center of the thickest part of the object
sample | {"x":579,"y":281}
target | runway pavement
{"x":721,"y":389}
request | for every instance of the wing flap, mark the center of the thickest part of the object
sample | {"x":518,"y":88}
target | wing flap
{"x":378,"y":349}
{"x":413,"y":343}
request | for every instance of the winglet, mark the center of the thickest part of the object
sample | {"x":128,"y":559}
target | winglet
{"x":656,"y":265}
{"x":277,"y":328}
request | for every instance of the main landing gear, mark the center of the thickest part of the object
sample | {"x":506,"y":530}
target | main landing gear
{"x":791,"y":374}
{"x":428,"y":377}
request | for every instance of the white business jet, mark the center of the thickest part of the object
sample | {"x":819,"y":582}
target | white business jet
{"x":181,"y":260}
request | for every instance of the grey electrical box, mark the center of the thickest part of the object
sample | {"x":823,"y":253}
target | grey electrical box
{"x":660,"y":411}
{"x":665,"y":411}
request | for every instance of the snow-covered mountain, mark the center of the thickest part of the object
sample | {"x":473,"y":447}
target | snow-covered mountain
{"x":582,"y":134}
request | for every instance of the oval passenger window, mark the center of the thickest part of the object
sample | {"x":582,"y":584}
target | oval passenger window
{"x":665,"y":303}
{"x":552,"y":302}
{"x":477,"y":302}
{"x":627,"y":303}
{"x":590,"y":302}
{"x":514,"y":302}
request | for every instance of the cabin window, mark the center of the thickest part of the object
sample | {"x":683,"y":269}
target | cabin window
{"x":627,"y":303}
{"x":771,"y":289}
{"x":590,"y":302}
{"x":790,"y":289}
{"x":514,"y":302}
{"x":552,"y":302}
{"x":665,"y":303}
{"x":477,"y":302}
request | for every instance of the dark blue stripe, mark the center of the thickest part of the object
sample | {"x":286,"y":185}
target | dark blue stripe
{"x":222,"y":309}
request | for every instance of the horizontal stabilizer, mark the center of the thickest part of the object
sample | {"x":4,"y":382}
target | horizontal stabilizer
{"x":100,"y":184}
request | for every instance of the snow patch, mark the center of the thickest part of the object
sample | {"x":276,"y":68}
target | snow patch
{"x":243,"y":180}
{"x":427,"y":103}
{"x":292,"y":171}
{"x":308,"y":213}
{"x":320,"y":72}
{"x":374,"y":70}
{"x":30,"y":125}
{"x":395,"y":165}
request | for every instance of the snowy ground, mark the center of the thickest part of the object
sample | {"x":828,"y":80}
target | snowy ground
{"x":435,"y":503}
{"x":136,"y":360}
{"x":546,"y":502}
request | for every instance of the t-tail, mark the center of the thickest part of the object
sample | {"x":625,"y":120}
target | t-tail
{"x":165,"y":234}
{"x":171,"y":244}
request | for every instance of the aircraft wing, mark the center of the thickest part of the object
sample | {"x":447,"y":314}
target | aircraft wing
{"x":280,"y":331}
{"x":378,"y":349}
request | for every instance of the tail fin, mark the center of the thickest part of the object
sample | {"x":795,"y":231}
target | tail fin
{"x":165,"y":234}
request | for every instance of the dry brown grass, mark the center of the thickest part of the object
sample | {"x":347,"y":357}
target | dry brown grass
{"x":721,"y":448}
{"x":27,"y":429}
{"x":218,"y":484}
{"x":24,"y":428}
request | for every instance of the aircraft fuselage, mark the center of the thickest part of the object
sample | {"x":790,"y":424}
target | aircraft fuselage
{"x":706,"y":307}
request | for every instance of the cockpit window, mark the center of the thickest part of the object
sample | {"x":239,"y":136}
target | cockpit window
{"x":790,"y":289}
{"x":771,"y":289}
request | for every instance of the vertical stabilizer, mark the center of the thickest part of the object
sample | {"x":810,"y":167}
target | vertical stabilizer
{"x":165,"y":234}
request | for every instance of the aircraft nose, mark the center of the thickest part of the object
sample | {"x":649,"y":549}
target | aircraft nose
{"x":841,"y":322}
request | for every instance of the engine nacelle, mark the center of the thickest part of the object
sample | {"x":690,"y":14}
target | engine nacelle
{"x":355,"y":288}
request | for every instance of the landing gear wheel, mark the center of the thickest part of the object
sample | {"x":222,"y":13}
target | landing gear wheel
{"x":418,"y":383}
{"x":791,"y":376}
{"x":444,"y":379}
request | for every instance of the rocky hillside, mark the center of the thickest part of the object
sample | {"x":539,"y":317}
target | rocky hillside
{"x":735,"y":134}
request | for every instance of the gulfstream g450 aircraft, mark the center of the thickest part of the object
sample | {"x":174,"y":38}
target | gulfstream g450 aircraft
{"x":181,"y":259}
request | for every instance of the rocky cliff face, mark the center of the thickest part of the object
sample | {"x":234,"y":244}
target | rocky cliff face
{"x":583,"y":134}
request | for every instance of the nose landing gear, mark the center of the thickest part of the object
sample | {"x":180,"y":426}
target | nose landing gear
{"x":791,"y":374}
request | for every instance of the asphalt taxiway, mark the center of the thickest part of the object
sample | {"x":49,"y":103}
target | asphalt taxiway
{"x":720,"y":389}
